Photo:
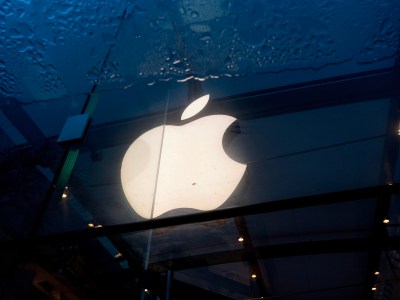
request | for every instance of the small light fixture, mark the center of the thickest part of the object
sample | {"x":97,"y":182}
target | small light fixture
{"x":94,"y":225}
{"x":240,"y":239}
{"x":65,"y":193}
{"x":376,"y":273}
{"x":253,"y":276}
{"x":146,"y":290}
{"x":373,"y":288}
{"x":118,"y":255}
{"x":386,"y":221}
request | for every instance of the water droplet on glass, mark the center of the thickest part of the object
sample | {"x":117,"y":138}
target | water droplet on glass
{"x":194,"y":14}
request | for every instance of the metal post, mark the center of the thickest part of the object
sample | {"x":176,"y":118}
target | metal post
{"x":169,"y":282}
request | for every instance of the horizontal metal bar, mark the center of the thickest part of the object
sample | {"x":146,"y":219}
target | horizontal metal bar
{"x":328,"y":92}
{"x":265,"y":207}
{"x":275,"y":251}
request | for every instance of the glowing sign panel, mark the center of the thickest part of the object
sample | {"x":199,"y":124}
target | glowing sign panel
{"x":180,"y":166}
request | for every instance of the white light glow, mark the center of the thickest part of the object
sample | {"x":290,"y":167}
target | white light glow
{"x":195,"y":107}
{"x":193,"y":170}
{"x":65,"y":193}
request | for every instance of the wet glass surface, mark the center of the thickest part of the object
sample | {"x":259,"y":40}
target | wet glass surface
{"x":301,"y":86}
{"x":63,"y":48}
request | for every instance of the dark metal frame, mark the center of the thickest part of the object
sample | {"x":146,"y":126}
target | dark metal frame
{"x":259,"y":208}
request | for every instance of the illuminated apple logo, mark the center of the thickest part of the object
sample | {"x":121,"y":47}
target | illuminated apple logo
{"x":186,"y":166}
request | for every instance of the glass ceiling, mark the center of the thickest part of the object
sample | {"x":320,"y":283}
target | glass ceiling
{"x":52,"y":49}
{"x":304,"y":102}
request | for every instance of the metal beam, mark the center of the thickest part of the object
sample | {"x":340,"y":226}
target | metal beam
{"x":351,"y":88}
{"x":389,"y":162}
{"x":255,"y":266}
{"x":259,"y":208}
{"x":183,"y":290}
{"x":334,"y":91}
{"x":274,"y":251}
{"x":24,"y":123}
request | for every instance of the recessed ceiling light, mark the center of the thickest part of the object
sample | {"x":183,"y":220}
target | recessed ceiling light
{"x":91,"y":225}
{"x":240,"y":239}
{"x":253,"y":275}
{"x":386,"y":221}
{"x":376,"y":273}
{"x":65,"y":193}
{"x":118,"y":255}
{"x":373,"y":288}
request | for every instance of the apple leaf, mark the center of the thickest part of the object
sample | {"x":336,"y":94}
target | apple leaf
{"x":195,"y":107}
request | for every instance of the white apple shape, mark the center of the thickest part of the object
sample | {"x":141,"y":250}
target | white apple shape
{"x":186,"y":166}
